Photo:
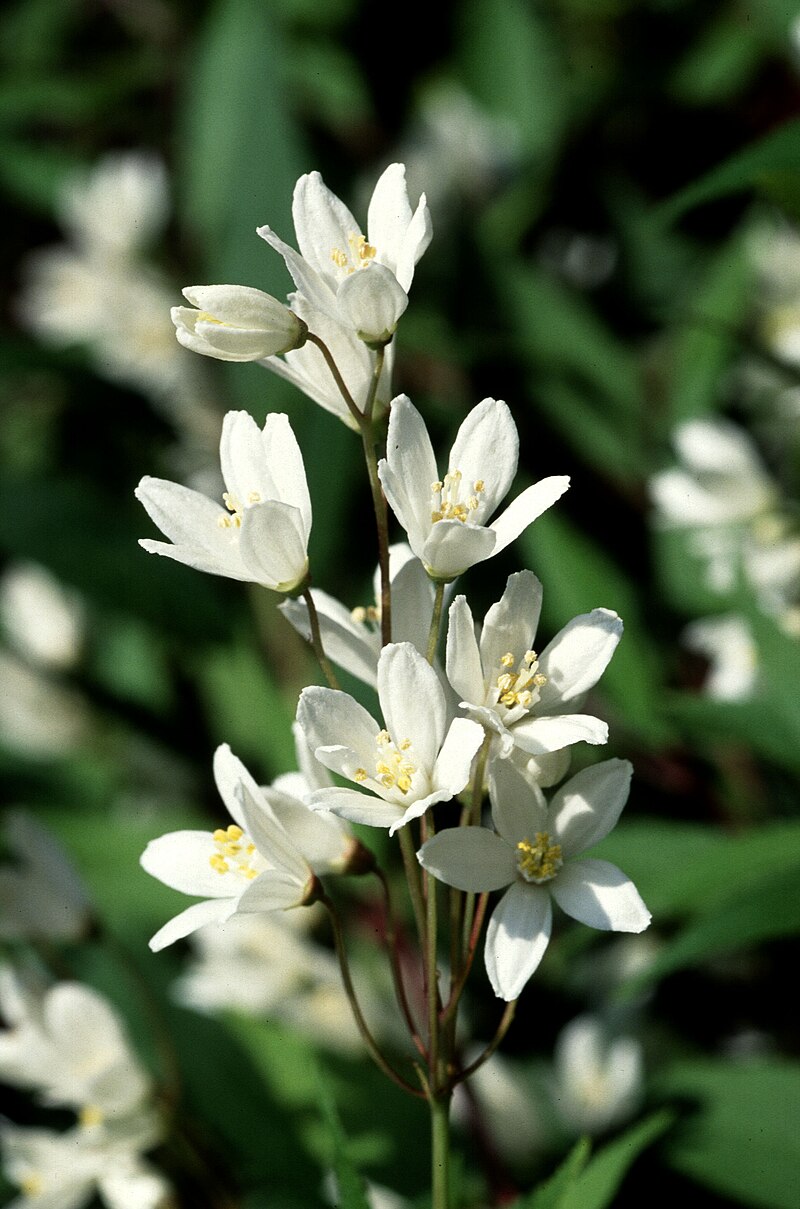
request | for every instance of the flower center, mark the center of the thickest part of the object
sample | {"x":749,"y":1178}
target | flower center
{"x":366,"y":614}
{"x":234,"y":521}
{"x":519,"y":688}
{"x":234,"y":852}
{"x":447,"y":504}
{"x":359,"y":254}
{"x":539,"y":861}
{"x":393,"y":767}
{"x":90,"y":1115}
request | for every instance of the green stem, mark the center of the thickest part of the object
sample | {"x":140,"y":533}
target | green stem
{"x":413,"y":879}
{"x":502,"y":1029}
{"x":431,"y":975}
{"x":372,"y":1046}
{"x":473,"y":816}
{"x":440,"y":1152}
{"x":316,"y":639}
{"x":373,"y":386}
{"x":397,"y":973}
{"x":337,"y":377}
{"x":436,"y":621}
{"x":382,"y":524}
{"x":458,"y":983}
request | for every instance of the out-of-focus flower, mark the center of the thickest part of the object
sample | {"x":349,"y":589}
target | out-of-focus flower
{"x":598,"y":1081}
{"x":236,"y":323}
{"x":727,"y":643}
{"x":41,"y":619}
{"x":261,"y":536}
{"x":416,"y":761}
{"x":70,"y":1047}
{"x":66,"y":1170}
{"x":446,"y":519}
{"x":526,"y":699}
{"x":252,"y":865}
{"x":724,"y":497}
{"x":361,"y":281}
{"x":37,"y":716}
{"x":532,"y":853}
{"x":41,"y":894}
{"x":507,"y":1106}
{"x":352,"y":637}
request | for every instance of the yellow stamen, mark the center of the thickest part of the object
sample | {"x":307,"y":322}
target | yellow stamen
{"x":539,"y":861}
{"x":90,"y":1115}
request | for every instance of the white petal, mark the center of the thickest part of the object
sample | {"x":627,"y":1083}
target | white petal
{"x":241,"y":456}
{"x":510,"y":624}
{"x":318,"y":288}
{"x":357,"y":807}
{"x":372,"y":303}
{"x":181,"y":859}
{"x":411,"y":470}
{"x":287,"y":475}
{"x":389,"y":214}
{"x":322,"y":222}
{"x":349,"y":644}
{"x":516,"y":938}
{"x":269,"y":837}
{"x":184,"y":516}
{"x":412,"y":603}
{"x":225,"y":562}
{"x":600,"y":895}
{"x":452,"y":547}
{"x":527,"y":506}
{"x":213,"y":910}
{"x":589,"y":805}
{"x":229,"y":772}
{"x":469,"y":858}
{"x":413,"y":703}
{"x":518,"y":808}
{"x":487,"y":447}
{"x":334,"y":720}
{"x":273,"y":890}
{"x":463,"y":660}
{"x":539,"y":735}
{"x":416,"y":241}
{"x":273,"y":545}
{"x":451,"y":772}
{"x":578,"y":655}
{"x":322,"y":839}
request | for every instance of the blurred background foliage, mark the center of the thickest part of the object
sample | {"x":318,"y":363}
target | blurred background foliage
{"x":596,"y":171}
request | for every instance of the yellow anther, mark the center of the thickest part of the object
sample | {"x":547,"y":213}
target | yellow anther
{"x":508,"y":699}
{"x":224,"y":522}
{"x":247,"y":872}
{"x":540,"y":680}
{"x":507,"y":660}
{"x":404,"y":782}
{"x":539,"y":861}
{"x":359,"y":614}
{"x":435,"y":487}
{"x":506,"y":681}
{"x":404,"y":746}
{"x":339,"y":258}
{"x":530,"y":657}
{"x":31,"y":1184}
{"x":220,"y":836}
{"x":234,"y":832}
{"x":218,"y":863}
{"x":360,"y":774}
{"x":383,"y":737}
{"x":254,"y":497}
{"x":90,"y":1115}
{"x":480,"y":486}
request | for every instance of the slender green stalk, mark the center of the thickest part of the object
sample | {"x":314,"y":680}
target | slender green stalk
{"x":436,"y":621}
{"x":413,"y":879}
{"x":373,"y":386}
{"x":397,"y":973}
{"x":316,"y":639}
{"x":502,"y":1029}
{"x":337,"y":377}
{"x":431,"y":973}
{"x":458,"y":983}
{"x":344,"y":964}
{"x":473,"y":815}
{"x":440,"y":1152}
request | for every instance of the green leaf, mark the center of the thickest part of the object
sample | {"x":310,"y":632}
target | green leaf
{"x":350,"y":1186}
{"x":743,"y":1141}
{"x":770,"y":166}
{"x":550,"y":1194}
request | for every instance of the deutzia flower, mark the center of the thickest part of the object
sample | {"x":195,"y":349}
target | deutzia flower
{"x":727,"y":643}
{"x":445,"y":519}
{"x":69,"y":1046}
{"x":351,"y":638}
{"x":524,"y":698}
{"x":261,"y":535}
{"x":532,"y":853}
{"x":598,"y":1081}
{"x":66,"y":1170}
{"x":361,"y":281}
{"x":251,"y":865}
{"x":236,"y":323}
{"x":43,"y":620}
{"x":412,"y":763}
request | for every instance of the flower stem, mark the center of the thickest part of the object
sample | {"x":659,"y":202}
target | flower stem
{"x":413,"y":879}
{"x":373,"y":386}
{"x":440,"y":1151}
{"x":502,"y":1029}
{"x":397,"y":972}
{"x":344,"y":964}
{"x":316,"y":639}
{"x":436,"y":621}
{"x":382,"y":523}
{"x":337,"y":377}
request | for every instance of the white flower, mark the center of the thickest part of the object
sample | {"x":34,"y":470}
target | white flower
{"x":306,"y":368}
{"x":65,"y":1171}
{"x":38,"y":716}
{"x":41,"y":894}
{"x":410,"y":765}
{"x":361,"y":281}
{"x":352,"y":637}
{"x":119,"y":207}
{"x":252,"y":865}
{"x":728,"y":644}
{"x":532,"y":853}
{"x":70,"y":1046}
{"x":261,"y":535}
{"x":42,"y":619}
{"x":598,"y":1082}
{"x":236,"y":323}
{"x":445,"y":519}
{"x":524,"y":698}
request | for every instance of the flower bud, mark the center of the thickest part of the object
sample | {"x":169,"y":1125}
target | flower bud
{"x":236,"y":323}
{"x":372,"y":302}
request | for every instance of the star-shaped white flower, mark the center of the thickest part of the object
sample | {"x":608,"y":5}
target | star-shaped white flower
{"x":361,"y":281}
{"x":532,"y":852}
{"x":526,"y":699}
{"x":251,"y":865}
{"x":352,"y":637}
{"x":447,"y":519}
{"x":598,"y":1080}
{"x":261,"y":535}
{"x":403,"y":768}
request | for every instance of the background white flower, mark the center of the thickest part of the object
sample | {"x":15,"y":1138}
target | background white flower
{"x":598,"y":1080}
{"x":446,"y":519}
{"x":532,"y":852}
